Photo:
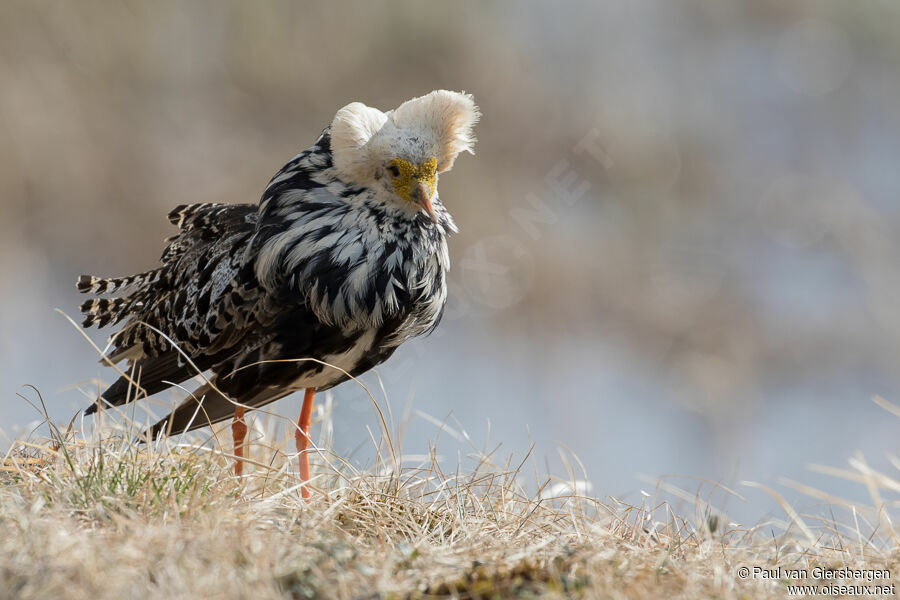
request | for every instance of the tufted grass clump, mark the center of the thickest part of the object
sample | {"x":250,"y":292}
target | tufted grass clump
{"x":94,"y":514}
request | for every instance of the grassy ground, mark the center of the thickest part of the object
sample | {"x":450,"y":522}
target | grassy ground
{"x":93,"y":516}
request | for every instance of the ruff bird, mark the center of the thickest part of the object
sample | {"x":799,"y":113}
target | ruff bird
{"x":342,"y":260}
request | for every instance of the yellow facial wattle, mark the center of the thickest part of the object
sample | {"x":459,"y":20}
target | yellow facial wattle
{"x":406,"y":177}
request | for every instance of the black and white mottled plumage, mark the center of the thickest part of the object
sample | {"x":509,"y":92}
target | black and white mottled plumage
{"x":342,"y":260}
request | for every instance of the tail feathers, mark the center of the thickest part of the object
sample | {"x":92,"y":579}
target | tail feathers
{"x":88,"y":284}
{"x":103,"y":311}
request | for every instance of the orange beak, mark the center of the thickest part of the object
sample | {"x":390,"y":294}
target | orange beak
{"x":420,"y":196}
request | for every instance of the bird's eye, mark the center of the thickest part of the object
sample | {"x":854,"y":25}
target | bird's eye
{"x":394,"y":170}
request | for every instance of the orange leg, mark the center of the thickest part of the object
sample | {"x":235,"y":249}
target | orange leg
{"x":301,"y":436}
{"x":239,"y":434}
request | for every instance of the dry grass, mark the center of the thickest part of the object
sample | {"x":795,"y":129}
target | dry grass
{"x":89,"y":514}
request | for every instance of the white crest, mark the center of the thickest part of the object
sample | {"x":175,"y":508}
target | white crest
{"x":449,"y":116}
{"x":436,"y":125}
{"x":351,"y":131}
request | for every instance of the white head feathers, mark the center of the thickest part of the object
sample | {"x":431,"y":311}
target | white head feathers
{"x":436,"y":125}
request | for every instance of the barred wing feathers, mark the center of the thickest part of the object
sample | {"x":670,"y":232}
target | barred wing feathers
{"x":199,"y":298}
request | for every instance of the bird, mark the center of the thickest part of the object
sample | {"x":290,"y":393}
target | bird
{"x":342,"y":259}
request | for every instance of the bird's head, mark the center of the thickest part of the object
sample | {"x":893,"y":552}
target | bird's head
{"x":400,"y":153}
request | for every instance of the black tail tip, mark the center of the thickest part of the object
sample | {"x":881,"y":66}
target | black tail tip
{"x":93,"y":408}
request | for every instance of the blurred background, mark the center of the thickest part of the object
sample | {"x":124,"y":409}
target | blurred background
{"x":679,"y":237}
